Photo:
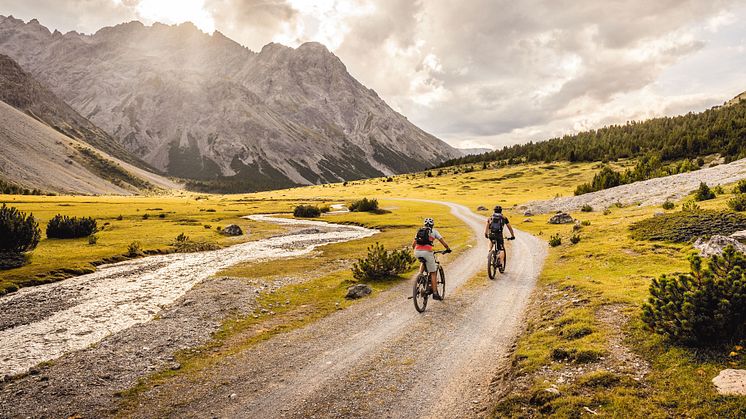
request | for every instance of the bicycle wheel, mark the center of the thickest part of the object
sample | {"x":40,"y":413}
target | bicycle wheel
{"x":441,"y":282}
{"x":419,"y":293}
{"x":492,"y":264}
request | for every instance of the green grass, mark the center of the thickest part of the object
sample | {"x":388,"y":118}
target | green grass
{"x":609,"y":269}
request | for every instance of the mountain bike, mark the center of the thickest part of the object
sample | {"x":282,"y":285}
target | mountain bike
{"x":422,"y":288}
{"x":493,"y":259}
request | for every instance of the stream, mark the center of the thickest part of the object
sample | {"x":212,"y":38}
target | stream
{"x":43,"y":323}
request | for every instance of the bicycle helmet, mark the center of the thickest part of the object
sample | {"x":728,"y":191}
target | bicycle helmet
{"x":429,"y":222}
{"x":498,"y":209}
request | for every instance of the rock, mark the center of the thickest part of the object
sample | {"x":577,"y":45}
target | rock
{"x":561,"y":218}
{"x":528,"y":220}
{"x":731,"y":382}
{"x":528,"y":213}
{"x":716,"y":244}
{"x":233,"y":396}
{"x":739,"y":235}
{"x":658,"y":214}
{"x":232,"y":230}
{"x":481,"y":208}
{"x":358,"y":291}
{"x":544,"y":396}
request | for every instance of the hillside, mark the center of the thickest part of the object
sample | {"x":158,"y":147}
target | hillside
{"x":204,"y":107}
{"x":35,"y":156}
{"x":721,"y":129}
{"x":20,"y":90}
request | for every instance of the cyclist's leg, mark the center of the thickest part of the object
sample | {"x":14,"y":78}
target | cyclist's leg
{"x":500,"y":245}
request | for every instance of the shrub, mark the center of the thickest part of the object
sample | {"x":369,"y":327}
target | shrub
{"x":161,"y":215}
{"x":575,"y":239}
{"x":364,"y":205}
{"x":738,"y":202}
{"x":120,"y":218}
{"x":64,"y":227}
{"x":702,"y":307}
{"x":555,"y":240}
{"x":429,"y":174}
{"x":585,"y":223}
{"x":586,"y":208}
{"x":306,"y":211}
{"x":607,"y":211}
{"x":182,"y":238}
{"x":145,"y":216}
{"x":684,"y":226}
{"x":718,"y":190}
{"x":690,"y":206}
{"x":740,"y":187}
{"x":19,"y":232}
{"x":381,"y":263}
{"x":668,"y":205}
{"x":92,"y":239}
{"x":134,"y":249}
{"x":703,"y":193}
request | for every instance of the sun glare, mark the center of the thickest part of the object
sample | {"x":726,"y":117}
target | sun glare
{"x":177,"y":11}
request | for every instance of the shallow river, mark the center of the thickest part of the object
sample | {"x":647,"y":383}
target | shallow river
{"x":43,"y":323}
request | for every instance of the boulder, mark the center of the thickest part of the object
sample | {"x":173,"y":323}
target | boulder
{"x":561,"y":218}
{"x":716,"y":244}
{"x":358,"y":291}
{"x":739,"y":235}
{"x":528,"y":220}
{"x":232,"y":230}
{"x":658,"y":214}
{"x":731,"y":382}
{"x":528,"y":213}
{"x":481,"y":208}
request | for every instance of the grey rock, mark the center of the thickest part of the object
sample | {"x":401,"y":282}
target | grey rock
{"x":561,"y":218}
{"x":232,"y":230}
{"x":528,"y":213}
{"x":716,"y":244}
{"x":528,"y":220}
{"x":481,"y":208}
{"x":658,"y":214}
{"x":731,"y":382}
{"x":358,"y":291}
{"x":739,"y":235}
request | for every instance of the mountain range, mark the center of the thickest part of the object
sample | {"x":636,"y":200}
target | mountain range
{"x":204,"y":107}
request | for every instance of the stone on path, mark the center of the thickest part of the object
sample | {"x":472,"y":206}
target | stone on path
{"x":731,"y":382}
{"x":358,"y":291}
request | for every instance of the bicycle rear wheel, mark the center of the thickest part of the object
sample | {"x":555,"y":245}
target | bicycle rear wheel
{"x":441,"y":282}
{"x":492,"y":264}
{"x":419,"y":293}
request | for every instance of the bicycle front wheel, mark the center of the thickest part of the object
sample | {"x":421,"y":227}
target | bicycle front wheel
{"x":492,"y":264}
{"x":419,"y":293}
{"x":441,"y":282}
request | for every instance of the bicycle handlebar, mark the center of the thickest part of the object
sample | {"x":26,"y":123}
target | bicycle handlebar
{"x":442,"y":252}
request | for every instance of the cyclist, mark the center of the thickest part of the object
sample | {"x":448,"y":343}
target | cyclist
{"x":423,"y":249}
{"x":493,"y":230}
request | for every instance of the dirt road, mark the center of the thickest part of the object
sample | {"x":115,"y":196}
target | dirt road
{"x":378,"y":358}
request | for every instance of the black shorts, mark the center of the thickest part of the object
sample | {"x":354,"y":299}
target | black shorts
{"x":499,"y":242}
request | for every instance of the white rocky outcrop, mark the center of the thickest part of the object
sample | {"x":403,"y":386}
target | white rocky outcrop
{"x":716,"y":244}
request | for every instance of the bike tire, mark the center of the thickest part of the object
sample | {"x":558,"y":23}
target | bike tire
{"x":441,"y":282}
{"x":419,"y":294}
{"x":492,"y":264}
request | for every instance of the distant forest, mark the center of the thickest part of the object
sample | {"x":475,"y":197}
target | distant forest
{"x":718,"y":130}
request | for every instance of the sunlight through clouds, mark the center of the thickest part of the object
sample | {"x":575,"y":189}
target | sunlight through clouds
{"x":173,"y":12}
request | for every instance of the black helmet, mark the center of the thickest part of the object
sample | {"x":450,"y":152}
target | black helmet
{"x":498,"y":209}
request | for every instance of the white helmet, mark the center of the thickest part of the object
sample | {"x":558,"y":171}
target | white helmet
{"x":429,"y":222}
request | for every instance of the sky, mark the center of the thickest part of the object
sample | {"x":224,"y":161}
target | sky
{"x":481,"y":73}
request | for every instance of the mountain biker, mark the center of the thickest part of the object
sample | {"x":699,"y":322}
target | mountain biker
{"x":423,"y":248}
{"x":494,"y":231}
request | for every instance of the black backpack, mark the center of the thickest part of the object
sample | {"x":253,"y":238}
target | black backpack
{"x":423,"y":237}
{"x":496,"y":226}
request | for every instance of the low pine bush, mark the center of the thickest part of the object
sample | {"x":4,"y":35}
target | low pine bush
{"x":690,"y":206}
{"x":575,"y":239}
{"x":364,"y":205}
{"x":668,"y":205}
{"x":740,"y":187}
{"x":306,"y":211}
{"x":555,"y":240}
{"x":683,"y":226}
{"x":19,"y":232}
{"x":381,"y":263}
{"x":738,"y":202}
{"x":703,"y":307}
{"x":703,"y":193}
{"x":64,"y":227}
{"x":586,"y":208}
{"x":134,"y":249}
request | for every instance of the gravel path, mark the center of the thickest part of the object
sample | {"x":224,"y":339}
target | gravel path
{"x":647,"y":192}
{"x":45,"y":322}
{"x":379,"y":358}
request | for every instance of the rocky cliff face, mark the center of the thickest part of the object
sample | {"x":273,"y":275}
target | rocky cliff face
{"x":202,"y":106}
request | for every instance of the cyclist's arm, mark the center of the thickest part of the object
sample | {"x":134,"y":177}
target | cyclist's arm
{"x":487,"y":228}
{"x":414,"y":243}
{"x":512,"y":233}
{"x":443,"y":242}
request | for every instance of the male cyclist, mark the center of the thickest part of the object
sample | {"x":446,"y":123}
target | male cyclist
{"x":494,"y":231}
{"x":423,"y":248}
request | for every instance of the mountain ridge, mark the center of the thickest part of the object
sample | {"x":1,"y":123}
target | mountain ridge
{"x":204,"y":107}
